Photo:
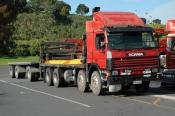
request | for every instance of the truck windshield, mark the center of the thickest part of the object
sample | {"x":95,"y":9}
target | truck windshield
{"x":171,"y":43}
{"x":131,"y":40}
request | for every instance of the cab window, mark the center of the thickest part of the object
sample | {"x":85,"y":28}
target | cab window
{"x":99,"y":41}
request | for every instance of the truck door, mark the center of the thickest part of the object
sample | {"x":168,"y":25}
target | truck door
{"x":99,"y":56}
{"x":170,"y":52}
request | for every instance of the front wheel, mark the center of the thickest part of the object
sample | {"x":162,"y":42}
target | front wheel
{"x":81,"y":81}
{"x":96,"y":84}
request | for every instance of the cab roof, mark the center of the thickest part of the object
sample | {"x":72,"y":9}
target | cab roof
{"x":119,"y":19}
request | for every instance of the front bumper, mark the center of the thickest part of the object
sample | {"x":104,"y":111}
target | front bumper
{"x":168,"y":76}
{"x":128,"y":79}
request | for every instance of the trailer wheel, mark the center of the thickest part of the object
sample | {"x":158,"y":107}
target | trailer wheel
{"x":57,"y":78}
{"x":19,"y":74}
{"x":29,"y":74}
{"x":141,"y":88}
{"x":48,"y":77}
{"x":12,"y":71}
{"x":81,"y":81}
{"x":96,"y":84}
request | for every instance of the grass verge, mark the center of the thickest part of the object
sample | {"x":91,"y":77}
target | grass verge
{"x":5,"y":60}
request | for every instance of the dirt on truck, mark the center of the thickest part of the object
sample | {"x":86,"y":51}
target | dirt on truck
{"x":118,"y":51}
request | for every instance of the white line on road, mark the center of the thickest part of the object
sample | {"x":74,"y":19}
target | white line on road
{"x":165,"y":97}
{"x":65,"y":99}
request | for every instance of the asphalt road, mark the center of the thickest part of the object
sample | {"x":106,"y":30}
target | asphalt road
{"x":22,"y":98}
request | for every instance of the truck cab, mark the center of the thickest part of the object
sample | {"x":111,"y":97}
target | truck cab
{"x":122,"y":50}
{"x":168,"y":53}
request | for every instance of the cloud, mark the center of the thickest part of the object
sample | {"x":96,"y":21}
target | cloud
{"x":164,"y":12}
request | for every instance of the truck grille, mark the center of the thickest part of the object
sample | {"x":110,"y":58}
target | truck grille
{"x":135,"y":62}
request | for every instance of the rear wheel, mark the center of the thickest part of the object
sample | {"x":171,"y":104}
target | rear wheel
{"x":19,"y":72}
{"x":12,"y":71}
{"x":29,"y":74}
{"x":96,"y":84}
{"x":57,"y":78}
{"x":142,"y":88}
{"x":48,"y":77}
{"x":81,"y":81}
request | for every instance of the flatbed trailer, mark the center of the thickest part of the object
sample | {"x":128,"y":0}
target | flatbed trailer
{"x":21,"y":69}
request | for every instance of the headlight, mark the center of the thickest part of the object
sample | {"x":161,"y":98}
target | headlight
{"x":126,"y":72}
{"x":147,"y":71}
{"x":116,"y":72}
{"x":155,"y":70}
{"x":163,"y":60}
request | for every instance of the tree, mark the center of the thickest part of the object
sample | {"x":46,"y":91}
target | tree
{"x":157,"y":21}
{"x":50,"y":6}
{"x":61,"y":8}
{"x":41,"y":5}
{"x":8,"y":11}
{"x":82,"y":9}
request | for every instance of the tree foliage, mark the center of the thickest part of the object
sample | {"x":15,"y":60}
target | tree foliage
{"x":82,"y":9}
{"x":8,"y":11}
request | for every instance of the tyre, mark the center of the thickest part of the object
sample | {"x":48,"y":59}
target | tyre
{"x":12,"y":71}
{"x":57,"y":78}
{"x":142,"y":88}
{"x":18,"y":73}
{"x":48,"y":77}
{"x":81,"y":81}
{"x":96,"y":84}
{"x":29,"y":74}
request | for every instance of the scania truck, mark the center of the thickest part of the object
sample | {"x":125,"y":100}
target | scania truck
{"x":118,"y":51}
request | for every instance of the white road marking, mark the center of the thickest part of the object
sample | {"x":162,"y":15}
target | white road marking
{"x":51,"y":95}
{"x":165,"y":97}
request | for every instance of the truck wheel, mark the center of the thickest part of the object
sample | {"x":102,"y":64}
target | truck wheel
{"x":81,"y":81}
{"x":96,"y":84}
{"x":17,"y":72}
{"x":12,"y":71}
{"x":29,"y":74}
{"x":141,"y":88}
{"x":57,"y":78}
{"x":48,"y":77}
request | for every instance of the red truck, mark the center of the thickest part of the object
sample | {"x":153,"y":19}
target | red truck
{"x":116,"y":52}
{"x":167,"y":51}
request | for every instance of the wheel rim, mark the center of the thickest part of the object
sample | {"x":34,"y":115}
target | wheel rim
{"x":94,"y":82}
{"x":81,"y":81}
{"x":29,"y":75}
{"x":11,"y":72}
{"x":47,"y":78}
{"x":16,"y":73}
{"x":55,"y":80}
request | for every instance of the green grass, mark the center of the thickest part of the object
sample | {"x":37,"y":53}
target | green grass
{"x":5,"y":60}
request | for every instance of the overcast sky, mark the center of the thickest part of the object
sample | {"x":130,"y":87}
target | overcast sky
{"x":150,"y":9}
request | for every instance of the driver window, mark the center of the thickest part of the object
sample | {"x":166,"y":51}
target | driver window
{"x":100,"y":41}
{"x":173,"y":43}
